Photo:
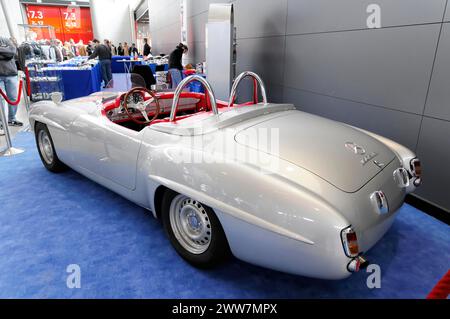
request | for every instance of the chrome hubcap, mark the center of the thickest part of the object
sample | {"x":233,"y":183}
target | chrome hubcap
{"x":45,"y":147}
{"x":190,"y":224}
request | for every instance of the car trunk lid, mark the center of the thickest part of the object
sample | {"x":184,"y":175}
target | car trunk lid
{"x":339,"y":154}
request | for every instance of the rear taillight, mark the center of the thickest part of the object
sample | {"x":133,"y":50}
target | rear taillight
{"x":350,"y":242}
{"x":416,"y":167}
{"x":416,"y":170}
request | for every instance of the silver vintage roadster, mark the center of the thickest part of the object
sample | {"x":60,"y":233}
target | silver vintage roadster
{"x":269,"y":184}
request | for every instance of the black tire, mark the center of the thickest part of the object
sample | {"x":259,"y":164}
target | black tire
{"x":53,"y":164}
{"x":218,"y":250}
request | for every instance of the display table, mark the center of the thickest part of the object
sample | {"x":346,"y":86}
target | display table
{"x":119,"y":64}
{"x":43,"y":82}
{"x":129,"y":63}
{"x":117,"y":67}
{"x":120,"y":67}
{"x":78,"y":83}
{"x":153,"y":67}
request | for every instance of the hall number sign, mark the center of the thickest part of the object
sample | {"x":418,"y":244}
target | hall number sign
{"x":70,"y":22}
{"x":71,"y":17}
{"x":36,"y":17}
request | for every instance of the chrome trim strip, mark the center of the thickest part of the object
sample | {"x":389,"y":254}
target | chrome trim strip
{"x":228,"y":209}
{"x":401,"y":177}
{"x":379,"y":202}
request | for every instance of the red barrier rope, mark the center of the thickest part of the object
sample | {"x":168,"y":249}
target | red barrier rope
{"x":442,"y":289}
{"x":19,"y":95}
{"x":27,"y":77}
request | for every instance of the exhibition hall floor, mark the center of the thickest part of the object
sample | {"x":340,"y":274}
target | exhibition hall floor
{"x":48,"y":221}
{"x":21,"y":116}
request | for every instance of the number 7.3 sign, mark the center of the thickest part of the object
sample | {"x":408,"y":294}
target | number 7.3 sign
{"x":70,"y":15}
{"x":32,"y":14}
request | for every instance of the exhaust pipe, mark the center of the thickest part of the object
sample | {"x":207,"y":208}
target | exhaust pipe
{"x":363,"y":262}
{"x":357,"y":263}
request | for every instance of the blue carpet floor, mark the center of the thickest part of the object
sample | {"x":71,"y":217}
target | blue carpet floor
{"x":48,"y":221}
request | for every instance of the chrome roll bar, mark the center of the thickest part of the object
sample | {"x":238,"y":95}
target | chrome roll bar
{"x":180,"y":88}
{"x":256,"y":80}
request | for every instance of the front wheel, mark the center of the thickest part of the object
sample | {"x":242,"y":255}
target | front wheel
{"x":46,"y":149}
{"x":194,"y":230}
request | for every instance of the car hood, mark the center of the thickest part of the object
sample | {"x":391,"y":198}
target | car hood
{"x":88,"y":104}
{"x":337,"y":153}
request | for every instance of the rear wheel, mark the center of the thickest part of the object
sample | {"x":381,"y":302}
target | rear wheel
{"x":46,"y":149}
{"x":194,"y":230}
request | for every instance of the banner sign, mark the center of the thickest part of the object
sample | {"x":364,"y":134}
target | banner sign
{"x":70,"y":22}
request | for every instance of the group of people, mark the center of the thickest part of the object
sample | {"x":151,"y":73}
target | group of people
{"x":55,"y":50}
{"x":71,"y":49}
{"x":58,"y":51}
{"x":105,"y":51}
{"x":104,"y":54}
{"x":127,"y":50}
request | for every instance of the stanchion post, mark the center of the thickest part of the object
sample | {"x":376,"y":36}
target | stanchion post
{"x":10,"y":150}
{"x":23,"y":77}
{"x":5,"y":125}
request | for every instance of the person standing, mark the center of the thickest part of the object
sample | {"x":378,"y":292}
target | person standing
{"x":90,"y":48}
{"x":107,"y":43}
{"x":81,"y":48}
{"x":103,"y":53}
{"x":133,"y":51}
{"x":125,"y":48}
{"x":55,"y":51}
{"x":16,"y":57}
{"x":120,"y":49}
{"x":73,"y":47}
{"x":113,"y":48}
{"x":69,"y":51}
{"x":8,"y":79}
{"x":147,"y":47}
{"x":45,"y":47}
{"x":175,"y":65}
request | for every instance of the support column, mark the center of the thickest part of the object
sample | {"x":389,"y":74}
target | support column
{"x":8,"y":19}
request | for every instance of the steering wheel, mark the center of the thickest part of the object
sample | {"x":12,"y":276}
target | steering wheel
{"x":142,"y":106}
